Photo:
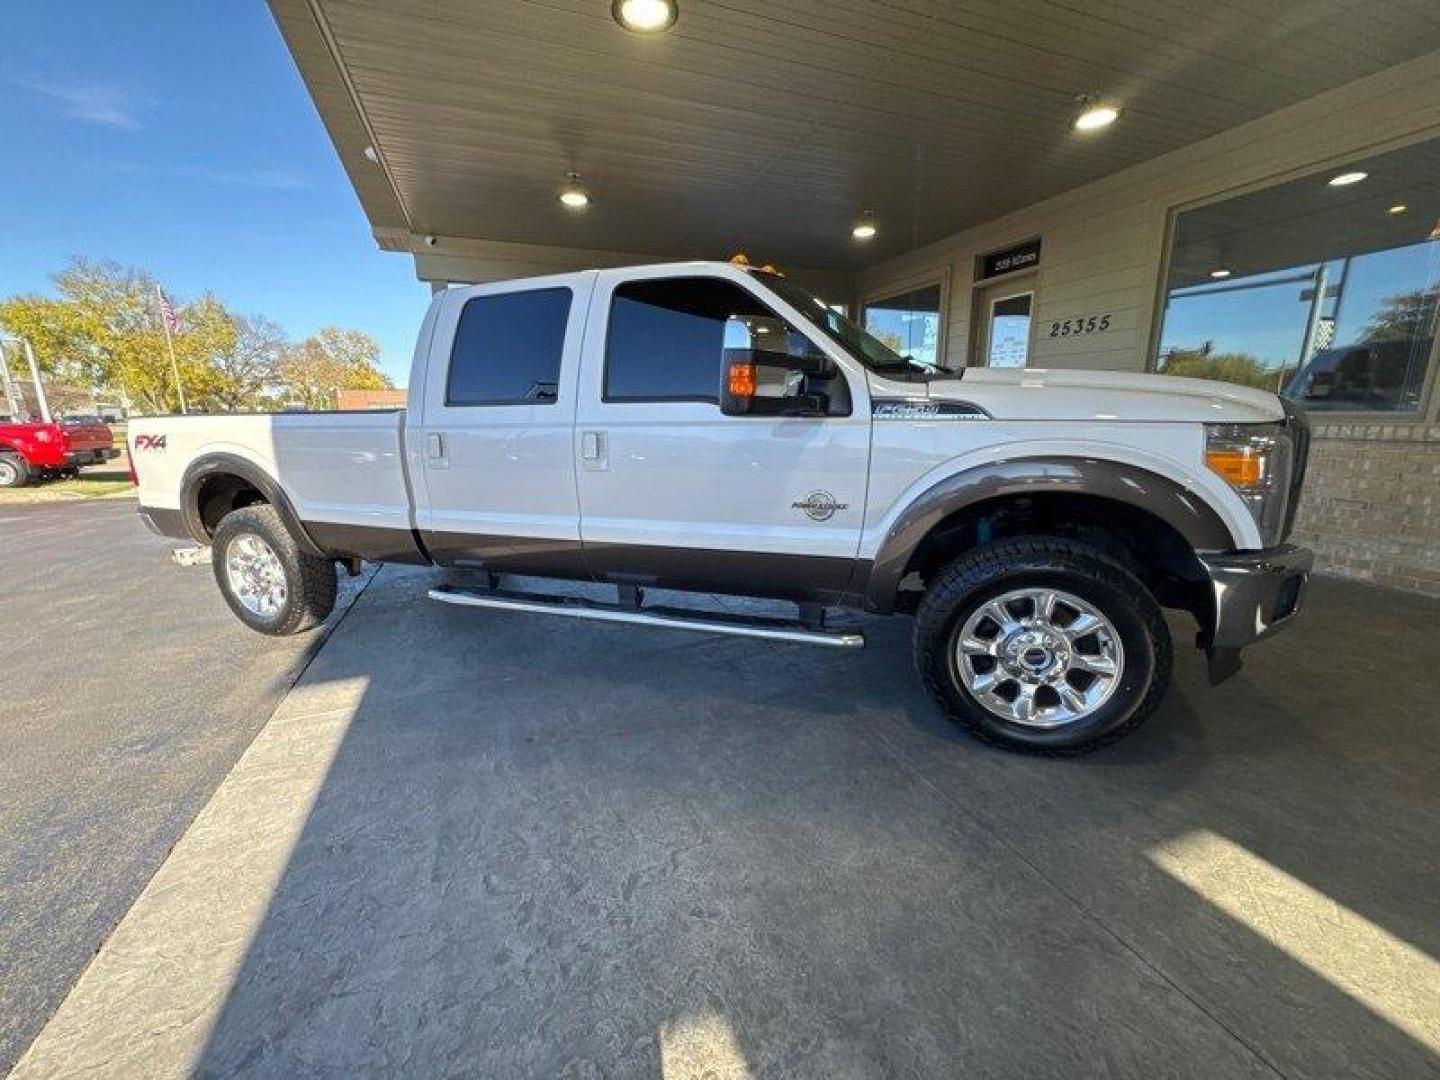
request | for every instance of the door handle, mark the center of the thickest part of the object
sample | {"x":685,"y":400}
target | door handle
{"x":594,"y":453}
{"x":435,"y":446}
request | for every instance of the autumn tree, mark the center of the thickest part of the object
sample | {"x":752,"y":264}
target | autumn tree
{"x":248,"y":369}
{"x":104,"y":329}
{"x":313,"y":372}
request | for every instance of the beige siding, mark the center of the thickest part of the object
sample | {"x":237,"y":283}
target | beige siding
{"x":1103,"y":244}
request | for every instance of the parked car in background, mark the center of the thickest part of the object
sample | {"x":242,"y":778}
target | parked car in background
{"x":34,"y":450}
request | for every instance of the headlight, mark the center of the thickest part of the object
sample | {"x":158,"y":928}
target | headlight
{"x":1255,"y":460}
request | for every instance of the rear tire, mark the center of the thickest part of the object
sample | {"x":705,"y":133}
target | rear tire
{"x":1081,"y":674}
{"x":14,"y":472}
{"x":270,"y":584}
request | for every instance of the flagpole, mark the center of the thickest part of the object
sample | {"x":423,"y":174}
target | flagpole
{"x":170,"y":344}
{"x":35,"y":378}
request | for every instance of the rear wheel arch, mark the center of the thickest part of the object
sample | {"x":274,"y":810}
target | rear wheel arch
{"x":215,"y":485}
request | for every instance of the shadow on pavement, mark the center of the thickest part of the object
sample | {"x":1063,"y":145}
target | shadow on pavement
{"x":549,"y":849}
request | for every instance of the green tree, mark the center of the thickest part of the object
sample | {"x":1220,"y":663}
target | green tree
{"x":1239,"y":368}
{"x":104,"y":329}
{"x":1405,"y":316}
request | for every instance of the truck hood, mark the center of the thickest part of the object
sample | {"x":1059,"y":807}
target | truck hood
{"x":1041,"y":394}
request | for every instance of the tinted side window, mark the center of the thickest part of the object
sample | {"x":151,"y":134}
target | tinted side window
{"x":507,"y":349}
{"x":667,"y":337}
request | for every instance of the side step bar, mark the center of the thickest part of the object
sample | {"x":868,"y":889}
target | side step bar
{"x":676,"y":618}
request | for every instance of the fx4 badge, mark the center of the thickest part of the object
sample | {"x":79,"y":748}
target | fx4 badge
{"x":149,"y":442}
{"x":819,"y":505}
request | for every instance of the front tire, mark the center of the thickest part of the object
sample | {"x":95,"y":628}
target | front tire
{"x":1042,"y":645}
{"x":270,"y":584}
{"x":14,"y":472}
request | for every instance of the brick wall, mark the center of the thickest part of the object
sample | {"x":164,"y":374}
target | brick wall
{"x":350,"y":400}
{"x":1371,"y":507}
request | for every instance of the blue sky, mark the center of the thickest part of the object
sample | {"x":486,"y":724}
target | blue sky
{"x":1269,"y":322}
{"x":179,"y":138}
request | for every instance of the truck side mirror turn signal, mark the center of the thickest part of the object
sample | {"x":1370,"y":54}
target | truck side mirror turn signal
{"x":758,"y":383}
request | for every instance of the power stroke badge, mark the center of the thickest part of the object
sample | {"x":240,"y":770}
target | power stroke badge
{"x":819,"y":506}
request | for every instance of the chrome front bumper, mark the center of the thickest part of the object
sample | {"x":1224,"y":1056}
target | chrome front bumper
{"x":1253,"y":594}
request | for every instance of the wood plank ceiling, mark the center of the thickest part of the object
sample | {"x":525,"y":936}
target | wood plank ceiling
{"x":770,"y":124}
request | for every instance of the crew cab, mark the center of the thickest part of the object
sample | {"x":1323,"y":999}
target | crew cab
{"x":36,"y":451}
{"x":708,"y":427}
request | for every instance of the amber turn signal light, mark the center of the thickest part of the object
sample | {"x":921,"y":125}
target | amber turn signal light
{"x":741,"y":380}
{"x":1241,"y":468}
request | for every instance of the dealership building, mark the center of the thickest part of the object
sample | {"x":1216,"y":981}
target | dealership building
{"x":1242,"y":192}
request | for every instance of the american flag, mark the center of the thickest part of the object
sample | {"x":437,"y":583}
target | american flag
{"x":167,"y":313}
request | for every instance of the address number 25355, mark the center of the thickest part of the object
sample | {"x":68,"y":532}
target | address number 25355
{"x":1088,"y":324}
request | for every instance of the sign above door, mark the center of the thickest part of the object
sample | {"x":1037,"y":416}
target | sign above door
{"x":1024,"y":256}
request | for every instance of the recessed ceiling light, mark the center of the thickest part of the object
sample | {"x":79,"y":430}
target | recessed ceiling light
{"x":1220,"y":273}
{"x":864,"y":227}
{"x":573,"y":195}
{"x":645,"y":16}
{"x":1345,"y":179}
{"x":1095,"y":114}
{"x":371,"y":155}
{"x":1398,"y":208}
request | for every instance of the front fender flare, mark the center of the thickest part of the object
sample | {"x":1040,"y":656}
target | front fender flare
{"x":1182,"y":509}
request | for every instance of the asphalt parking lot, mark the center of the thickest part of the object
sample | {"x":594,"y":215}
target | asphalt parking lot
{"x":126,"y":694}
{"x":504,"y":845}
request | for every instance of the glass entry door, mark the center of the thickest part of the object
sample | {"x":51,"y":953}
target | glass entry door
{"x":1003,"y":340}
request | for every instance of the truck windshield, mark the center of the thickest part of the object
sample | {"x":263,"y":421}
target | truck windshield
{"x":857,"y":341}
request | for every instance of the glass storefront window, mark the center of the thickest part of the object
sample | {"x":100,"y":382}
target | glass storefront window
{"x":909,"y":323}
{"x":1326,"y":294}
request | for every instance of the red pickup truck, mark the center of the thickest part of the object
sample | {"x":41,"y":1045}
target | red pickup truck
{"x":30,"y":451}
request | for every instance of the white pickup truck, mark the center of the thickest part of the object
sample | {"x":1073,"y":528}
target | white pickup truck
{"x":708,"y":427}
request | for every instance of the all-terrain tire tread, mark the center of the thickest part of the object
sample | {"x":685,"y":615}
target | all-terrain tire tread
{"x":307,"y":606}
{"x":1018,"y":554}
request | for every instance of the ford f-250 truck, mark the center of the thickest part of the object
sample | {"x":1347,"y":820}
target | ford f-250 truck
{"x":711,"y":427}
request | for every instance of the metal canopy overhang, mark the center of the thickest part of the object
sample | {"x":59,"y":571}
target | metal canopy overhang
{"x":768,"y":125}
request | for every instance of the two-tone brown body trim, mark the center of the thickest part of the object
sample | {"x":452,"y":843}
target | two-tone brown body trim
{"x":1184,"y":511}
{"x":871,"y":584}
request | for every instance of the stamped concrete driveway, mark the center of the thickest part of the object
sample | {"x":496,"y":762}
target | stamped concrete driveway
{"x":127,"y":691}
{"x":498,"y":845}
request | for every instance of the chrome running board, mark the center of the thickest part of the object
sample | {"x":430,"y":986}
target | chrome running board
{"x":675,"y":618}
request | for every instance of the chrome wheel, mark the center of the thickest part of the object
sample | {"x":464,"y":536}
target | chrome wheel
{"x":9,"y":475}
{"x":1039,"y":657}
{"x":256,"y":575}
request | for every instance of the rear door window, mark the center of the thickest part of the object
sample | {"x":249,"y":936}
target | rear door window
{"x":507,"y":349}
